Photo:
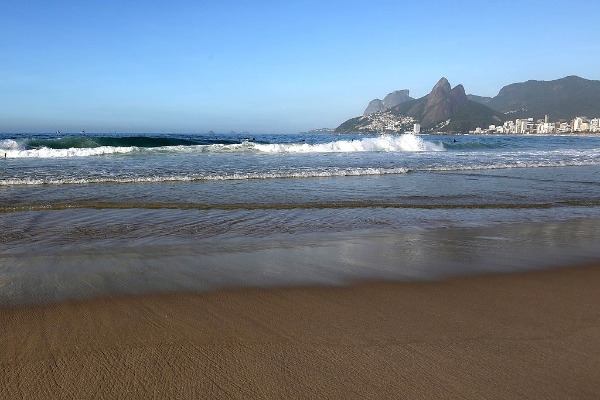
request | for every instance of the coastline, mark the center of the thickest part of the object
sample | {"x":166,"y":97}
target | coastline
{"x":528,"y":335}
{"x":56,"y":256}
{"x":562,"y":134}
{"x":385,"y":274}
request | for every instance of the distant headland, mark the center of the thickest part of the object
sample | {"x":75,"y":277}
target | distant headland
{"x":570,"y":104}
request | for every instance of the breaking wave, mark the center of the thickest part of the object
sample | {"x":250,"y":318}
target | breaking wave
{"x":406,"y":142}
{"x":97,"y":146}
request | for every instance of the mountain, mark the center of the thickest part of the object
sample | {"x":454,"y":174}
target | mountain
{"x":443,"y":109}
{"x":374,"y":106}
{"x":479,"y":99}
{"x":564,"y":98}
{"x":389,"y":101}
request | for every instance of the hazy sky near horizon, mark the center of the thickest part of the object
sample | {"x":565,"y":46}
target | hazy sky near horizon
{"x":269,"y":66}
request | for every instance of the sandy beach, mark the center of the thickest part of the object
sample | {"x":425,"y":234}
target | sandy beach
{"x":528,"y":335}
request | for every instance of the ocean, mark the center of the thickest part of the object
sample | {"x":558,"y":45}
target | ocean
{"x":89,"y":215}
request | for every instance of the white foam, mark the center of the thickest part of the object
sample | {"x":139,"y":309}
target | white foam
{"x":389,"y":143}
{"x":46,"y":152}
{"x":334,"y":172}
{"x":9,"y":144}
{"x":385,"y":143}
{"x":316,"y":173}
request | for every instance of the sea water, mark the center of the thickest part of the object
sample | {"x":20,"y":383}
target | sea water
{"x":84,"y":215}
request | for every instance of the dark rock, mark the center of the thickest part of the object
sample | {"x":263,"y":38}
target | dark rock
{"x":391,"y":100}
{"x":374,"y":106}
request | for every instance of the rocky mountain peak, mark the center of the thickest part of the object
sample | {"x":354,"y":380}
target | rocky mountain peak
{"x":391,"y":100}
{"x":396,"y":97}
{"x":444,"y":108}
{"x":442,"y":102}
{"x":442,"y":86}
{"x":374,"y":106}
{"x":458,"y":97}
{"x":438,"y":94}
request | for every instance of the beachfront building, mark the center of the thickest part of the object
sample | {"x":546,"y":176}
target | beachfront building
{"x":527,"y":126}
{"x":563,"y":127}
{"x":577,"y":122}
{"x":583,"y":124}
{"x":546,"y":128}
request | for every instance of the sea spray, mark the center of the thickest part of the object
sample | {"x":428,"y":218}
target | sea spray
{"x":389,"y":143}
{"x":100,"y":146}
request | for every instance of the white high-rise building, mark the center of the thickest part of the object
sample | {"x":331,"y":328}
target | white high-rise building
{"x":546,"y":127}
{"x":521,"y":126}
{"x":577,"y":122}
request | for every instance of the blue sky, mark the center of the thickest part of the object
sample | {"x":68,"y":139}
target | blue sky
{"x":268,"y":66}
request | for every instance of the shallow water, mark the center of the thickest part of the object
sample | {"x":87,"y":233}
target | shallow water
{"x":133,"y":215}
{"x":299,"y":170}
{"x":75,"y":254}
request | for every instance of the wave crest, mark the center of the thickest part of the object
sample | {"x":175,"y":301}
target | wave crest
{"x":406,"y":142}
{"x":87,"y":147}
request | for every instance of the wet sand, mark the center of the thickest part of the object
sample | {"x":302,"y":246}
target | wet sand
{"x":528,"y":335}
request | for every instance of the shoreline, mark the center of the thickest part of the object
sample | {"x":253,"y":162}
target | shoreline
{"x":53,"y":256}
{"x":533,"y":334}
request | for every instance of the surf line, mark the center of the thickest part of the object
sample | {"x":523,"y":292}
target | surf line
{"x":289,"y":206}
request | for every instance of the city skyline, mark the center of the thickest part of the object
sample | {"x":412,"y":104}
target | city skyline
{"x":267,"y":68}
{"x":543,"y":126}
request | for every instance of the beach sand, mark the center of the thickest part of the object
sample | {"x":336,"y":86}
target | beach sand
{"x":529,"y":335}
